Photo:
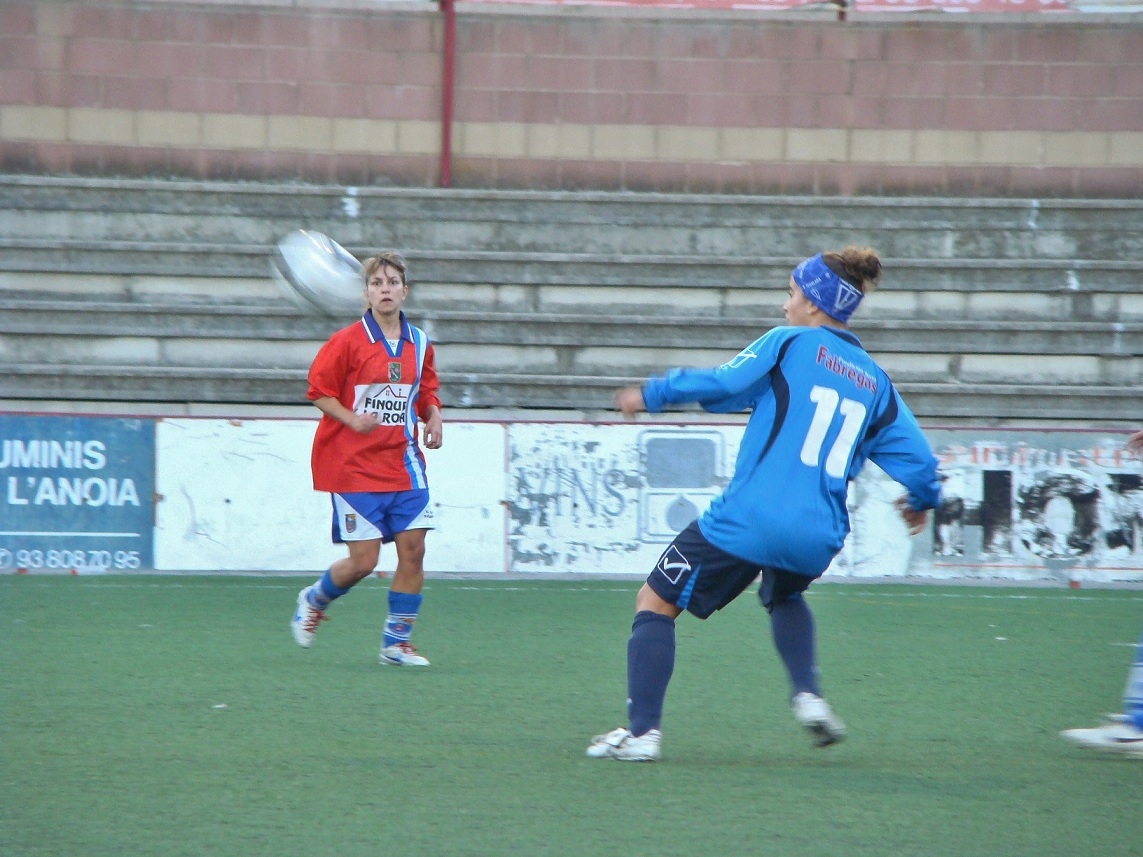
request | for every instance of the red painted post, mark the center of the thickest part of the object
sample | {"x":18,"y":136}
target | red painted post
{"x":447,"y":73}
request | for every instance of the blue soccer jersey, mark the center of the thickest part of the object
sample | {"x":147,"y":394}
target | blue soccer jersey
{"x":821,"y":409}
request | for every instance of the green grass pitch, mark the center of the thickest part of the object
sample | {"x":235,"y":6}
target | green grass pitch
{"x":153,"y":715}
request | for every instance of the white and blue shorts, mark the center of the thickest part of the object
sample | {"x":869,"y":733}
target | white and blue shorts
{"x":365,"y":515}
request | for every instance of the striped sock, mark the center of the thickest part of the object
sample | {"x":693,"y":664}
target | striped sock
{"x":323,"y":592}
{"x":403,"y":607}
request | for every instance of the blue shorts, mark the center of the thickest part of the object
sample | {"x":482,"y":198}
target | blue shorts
{"x":700,"y":578}
{"x":366,"y":515}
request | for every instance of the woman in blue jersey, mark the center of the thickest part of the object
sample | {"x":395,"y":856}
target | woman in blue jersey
{"x":820,"y":408}
{"x":1122,"y":732}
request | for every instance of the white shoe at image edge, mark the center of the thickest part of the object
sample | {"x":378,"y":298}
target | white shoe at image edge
{"x":1113,"y":736}
{"x":816,"y":717}
{"x":621,"y":745}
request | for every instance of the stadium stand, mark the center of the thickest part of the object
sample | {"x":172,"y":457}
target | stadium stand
{"x":159,"y":291}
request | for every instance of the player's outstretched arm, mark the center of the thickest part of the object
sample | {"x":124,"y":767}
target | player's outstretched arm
{"x":1135,"y":442}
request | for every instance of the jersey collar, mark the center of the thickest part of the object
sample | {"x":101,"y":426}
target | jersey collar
{"x":373,"y":329}
{"x":842,"y":334}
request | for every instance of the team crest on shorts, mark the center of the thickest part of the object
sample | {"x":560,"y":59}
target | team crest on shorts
{"x":394,"y":372}
{"x":673,"y":565}
{"x":350,"y":523}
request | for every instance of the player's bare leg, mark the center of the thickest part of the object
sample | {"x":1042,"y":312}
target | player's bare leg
{"x":351,"y":570}
{"x":409,"y":576}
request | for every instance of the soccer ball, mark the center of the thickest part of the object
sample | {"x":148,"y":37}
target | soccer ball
{"x":318,"y":275}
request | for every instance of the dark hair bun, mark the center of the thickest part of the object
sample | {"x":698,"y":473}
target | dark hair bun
{"x":857,"y":265}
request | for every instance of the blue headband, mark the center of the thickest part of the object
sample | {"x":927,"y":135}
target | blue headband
{"x":826,"y":290}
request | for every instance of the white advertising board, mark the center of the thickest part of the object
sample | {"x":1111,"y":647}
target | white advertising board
{"x":236,"y":495}
{"x":606,"y":498}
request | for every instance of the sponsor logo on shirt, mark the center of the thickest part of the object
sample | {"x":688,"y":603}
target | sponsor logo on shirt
{"x":390,"y":402}
{"x":673,"y":565}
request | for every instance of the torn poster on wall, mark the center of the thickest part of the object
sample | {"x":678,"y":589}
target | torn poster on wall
{"x":1039,"y":504}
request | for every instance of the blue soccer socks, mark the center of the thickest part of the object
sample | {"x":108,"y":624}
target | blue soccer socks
{"x":650,"y":662}
{"x":792,"y":628}
{"x":323,"y":592}
{"x":403,"y":607}
{"x":1133,"y":694}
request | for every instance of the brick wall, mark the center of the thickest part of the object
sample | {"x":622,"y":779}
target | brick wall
{"x":350,"y":91}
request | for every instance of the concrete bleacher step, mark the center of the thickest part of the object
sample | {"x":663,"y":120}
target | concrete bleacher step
{"x":184,"y":342}
{"x":37,"y":315}
{"x":935,"y":401}
{"x":675,"y":337}
{"x":520,"y":250}
{"x":134,"y":382}
{"x":567,"y":222}
{"x":230,"y":216}
{"x":151,"y":384}
{"x":910,"y":288}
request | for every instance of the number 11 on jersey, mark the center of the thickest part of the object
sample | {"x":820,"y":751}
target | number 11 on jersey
{"x":828,"y":403}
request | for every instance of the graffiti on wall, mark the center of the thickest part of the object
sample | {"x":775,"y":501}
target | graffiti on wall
{"x":1016,"y":504}
{"x":608,"y":498}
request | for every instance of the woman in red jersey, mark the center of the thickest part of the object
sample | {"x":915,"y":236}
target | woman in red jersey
{"x":373,"y":381}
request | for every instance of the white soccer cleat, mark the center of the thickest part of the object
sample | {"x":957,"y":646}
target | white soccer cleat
{"x":1112,"y":737}
{"x":305,"y":621}
{"x":621,"y":745}
{"x":816,"y":717}
{"x":402,"y":654}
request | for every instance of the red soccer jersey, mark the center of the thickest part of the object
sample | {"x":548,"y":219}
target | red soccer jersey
{"x":358,"y":368}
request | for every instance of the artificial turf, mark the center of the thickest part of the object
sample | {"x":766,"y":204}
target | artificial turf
{"x":156,"y":715}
